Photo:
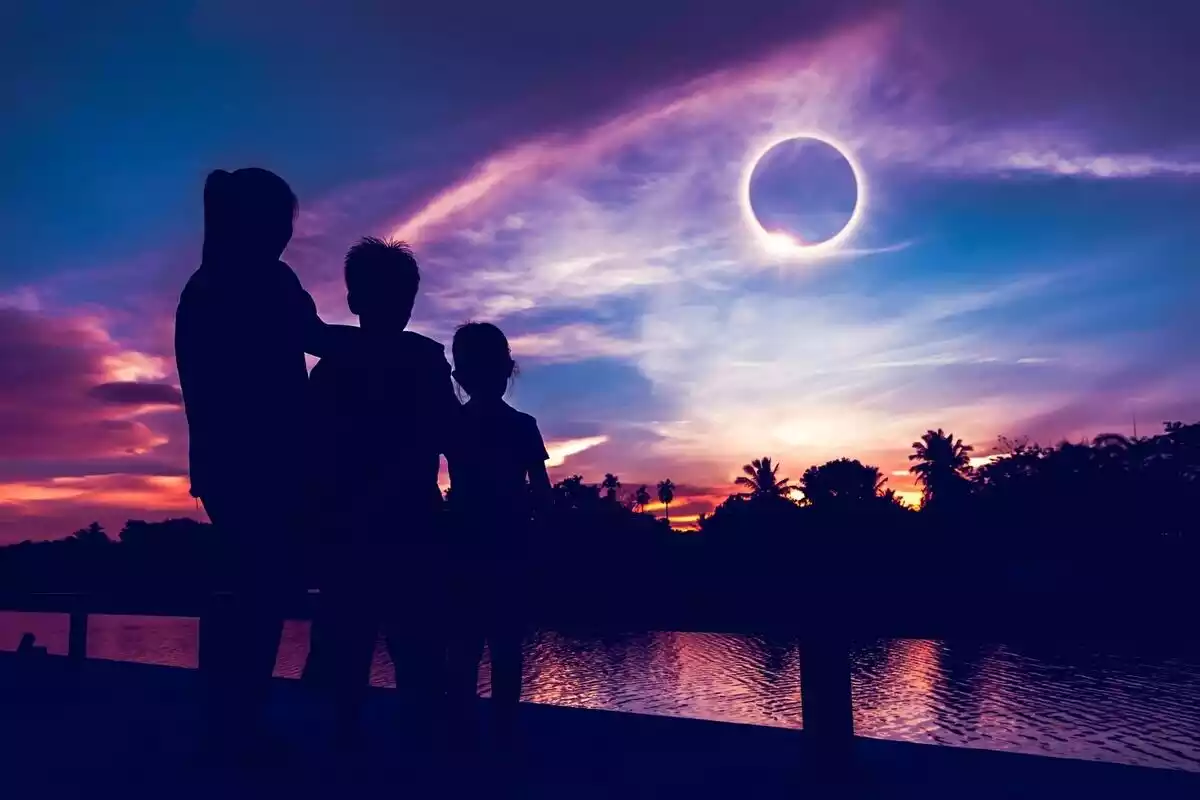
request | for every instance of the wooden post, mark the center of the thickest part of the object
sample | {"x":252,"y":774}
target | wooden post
{"x":825,"y":695}
{"x":77,"y":638}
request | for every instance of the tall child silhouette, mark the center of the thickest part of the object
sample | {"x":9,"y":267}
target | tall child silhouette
{"x":498,"y":480}
{"x":242,"y":328}
{"x":382,"y":406}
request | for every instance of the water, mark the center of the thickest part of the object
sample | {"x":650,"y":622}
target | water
{"x":1062,"y":702}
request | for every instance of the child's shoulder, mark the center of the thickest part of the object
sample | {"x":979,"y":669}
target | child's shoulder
{"x":423,"y":344}
{"x":497,"y":413}
{"x":281,"y":271}
{"x":350,"y":346}
{"x":520,"y":418}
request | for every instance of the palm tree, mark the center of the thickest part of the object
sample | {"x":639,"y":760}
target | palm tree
{"x":666,"y":493}
{"x":642,"y":498}
{"x":610,"y":484}
{"x":761,"y":480}
{"x":942,"y":464}
{"x":842,"y":482}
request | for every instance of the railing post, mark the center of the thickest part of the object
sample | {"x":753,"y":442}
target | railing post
{"x":825,"y":697}
{"x":77,"y":637}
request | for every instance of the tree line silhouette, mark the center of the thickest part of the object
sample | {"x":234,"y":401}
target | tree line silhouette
{"x":1089,"y":524}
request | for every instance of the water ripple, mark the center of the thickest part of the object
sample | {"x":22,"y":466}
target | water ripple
{"x":1062,"y":702}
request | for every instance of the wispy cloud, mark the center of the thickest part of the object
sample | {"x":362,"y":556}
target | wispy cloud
{"x":560,"y":451}
{"x":638,"y":218}
{"x":148,"y":492}
{"x":645,"y":201}
{"x":816,"y":377}
{"x":573,"y":342}
{"x":1047,"y":149}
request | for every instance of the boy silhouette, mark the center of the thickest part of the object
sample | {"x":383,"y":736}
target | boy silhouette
{"x":380,"y":410}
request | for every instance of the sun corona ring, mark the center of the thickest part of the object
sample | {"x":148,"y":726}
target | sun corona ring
{"x":783,"y":244}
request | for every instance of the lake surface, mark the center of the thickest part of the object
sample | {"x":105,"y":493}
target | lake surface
{"x":1062,"y":702}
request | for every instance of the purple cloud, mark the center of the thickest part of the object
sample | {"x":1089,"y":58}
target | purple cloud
{"x":135,"y":393}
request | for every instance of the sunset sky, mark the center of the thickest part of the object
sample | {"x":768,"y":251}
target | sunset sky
{"x":1025,"y":264}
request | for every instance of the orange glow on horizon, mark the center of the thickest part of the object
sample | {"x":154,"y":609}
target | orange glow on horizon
{"x":135,"y":492}
{"x":24,"y":492}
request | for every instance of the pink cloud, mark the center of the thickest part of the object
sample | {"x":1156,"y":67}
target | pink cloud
{"x":50,"y":368}
{"x":497,"y":176}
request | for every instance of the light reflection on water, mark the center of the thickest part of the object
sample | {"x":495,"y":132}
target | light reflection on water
{"x":1063,"y":702}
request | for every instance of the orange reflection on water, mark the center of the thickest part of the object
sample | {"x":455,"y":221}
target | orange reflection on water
{"x":560,"y":679}
{"x":769,"y":667}
{"x":893,"y":687}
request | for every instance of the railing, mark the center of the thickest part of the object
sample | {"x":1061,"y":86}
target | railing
{"x":825,"y":670}
{"x":80,"y":606}
{"x":825,"y":637}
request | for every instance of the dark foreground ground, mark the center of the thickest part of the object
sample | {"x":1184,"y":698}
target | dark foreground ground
{"x":116,"y":730}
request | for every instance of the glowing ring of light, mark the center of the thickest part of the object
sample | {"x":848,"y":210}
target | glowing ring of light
{"x":780,"y":243}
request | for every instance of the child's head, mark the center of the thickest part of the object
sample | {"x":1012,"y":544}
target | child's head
{"x":381,"y":280}
{"x":248,"y":214}
{"x":483,"y":363}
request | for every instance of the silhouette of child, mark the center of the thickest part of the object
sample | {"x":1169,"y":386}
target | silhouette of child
{"x":242,"y":328}
{"x":381,"y":408}
{"x":498,"y":479}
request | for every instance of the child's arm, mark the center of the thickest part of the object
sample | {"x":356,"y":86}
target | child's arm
{"x":317,"y":337}
{"x":539,"y":486}
{"x":446,"y":407}
{"x":539,"y":478}
{"x":321,"y":478}
{"x":323,"y":419}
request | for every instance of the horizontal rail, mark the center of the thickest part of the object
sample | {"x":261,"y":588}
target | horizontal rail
{"x":159,"y":605}
{"x":808,"y":617}
{"x":826,"y":635}
{"x":825,"y":676}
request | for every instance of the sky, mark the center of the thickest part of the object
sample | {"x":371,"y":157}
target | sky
{"x":1022,"y":260}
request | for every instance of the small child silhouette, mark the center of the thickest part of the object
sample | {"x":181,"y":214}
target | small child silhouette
{"x":498,"y":480}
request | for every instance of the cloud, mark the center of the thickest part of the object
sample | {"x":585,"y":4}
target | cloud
{"x":982,"y":461}
{"x":130,"y":366}
{"x":572,"y":342}
{"x":49,"y":368}
{"x":1100,"y":166}
{"x":645,"y":200}
{"x":637,"y":219}
{"x":81,"y":436}
{"x":149,"y":492}
{"x":20,"y":470}
{"x":133,"y":393}
{"x":643,"y":205}
{"x":1036,"y":150}
{"x":806,"y":378}
{"x":559,"y":451}
{"x":23,"y":298}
